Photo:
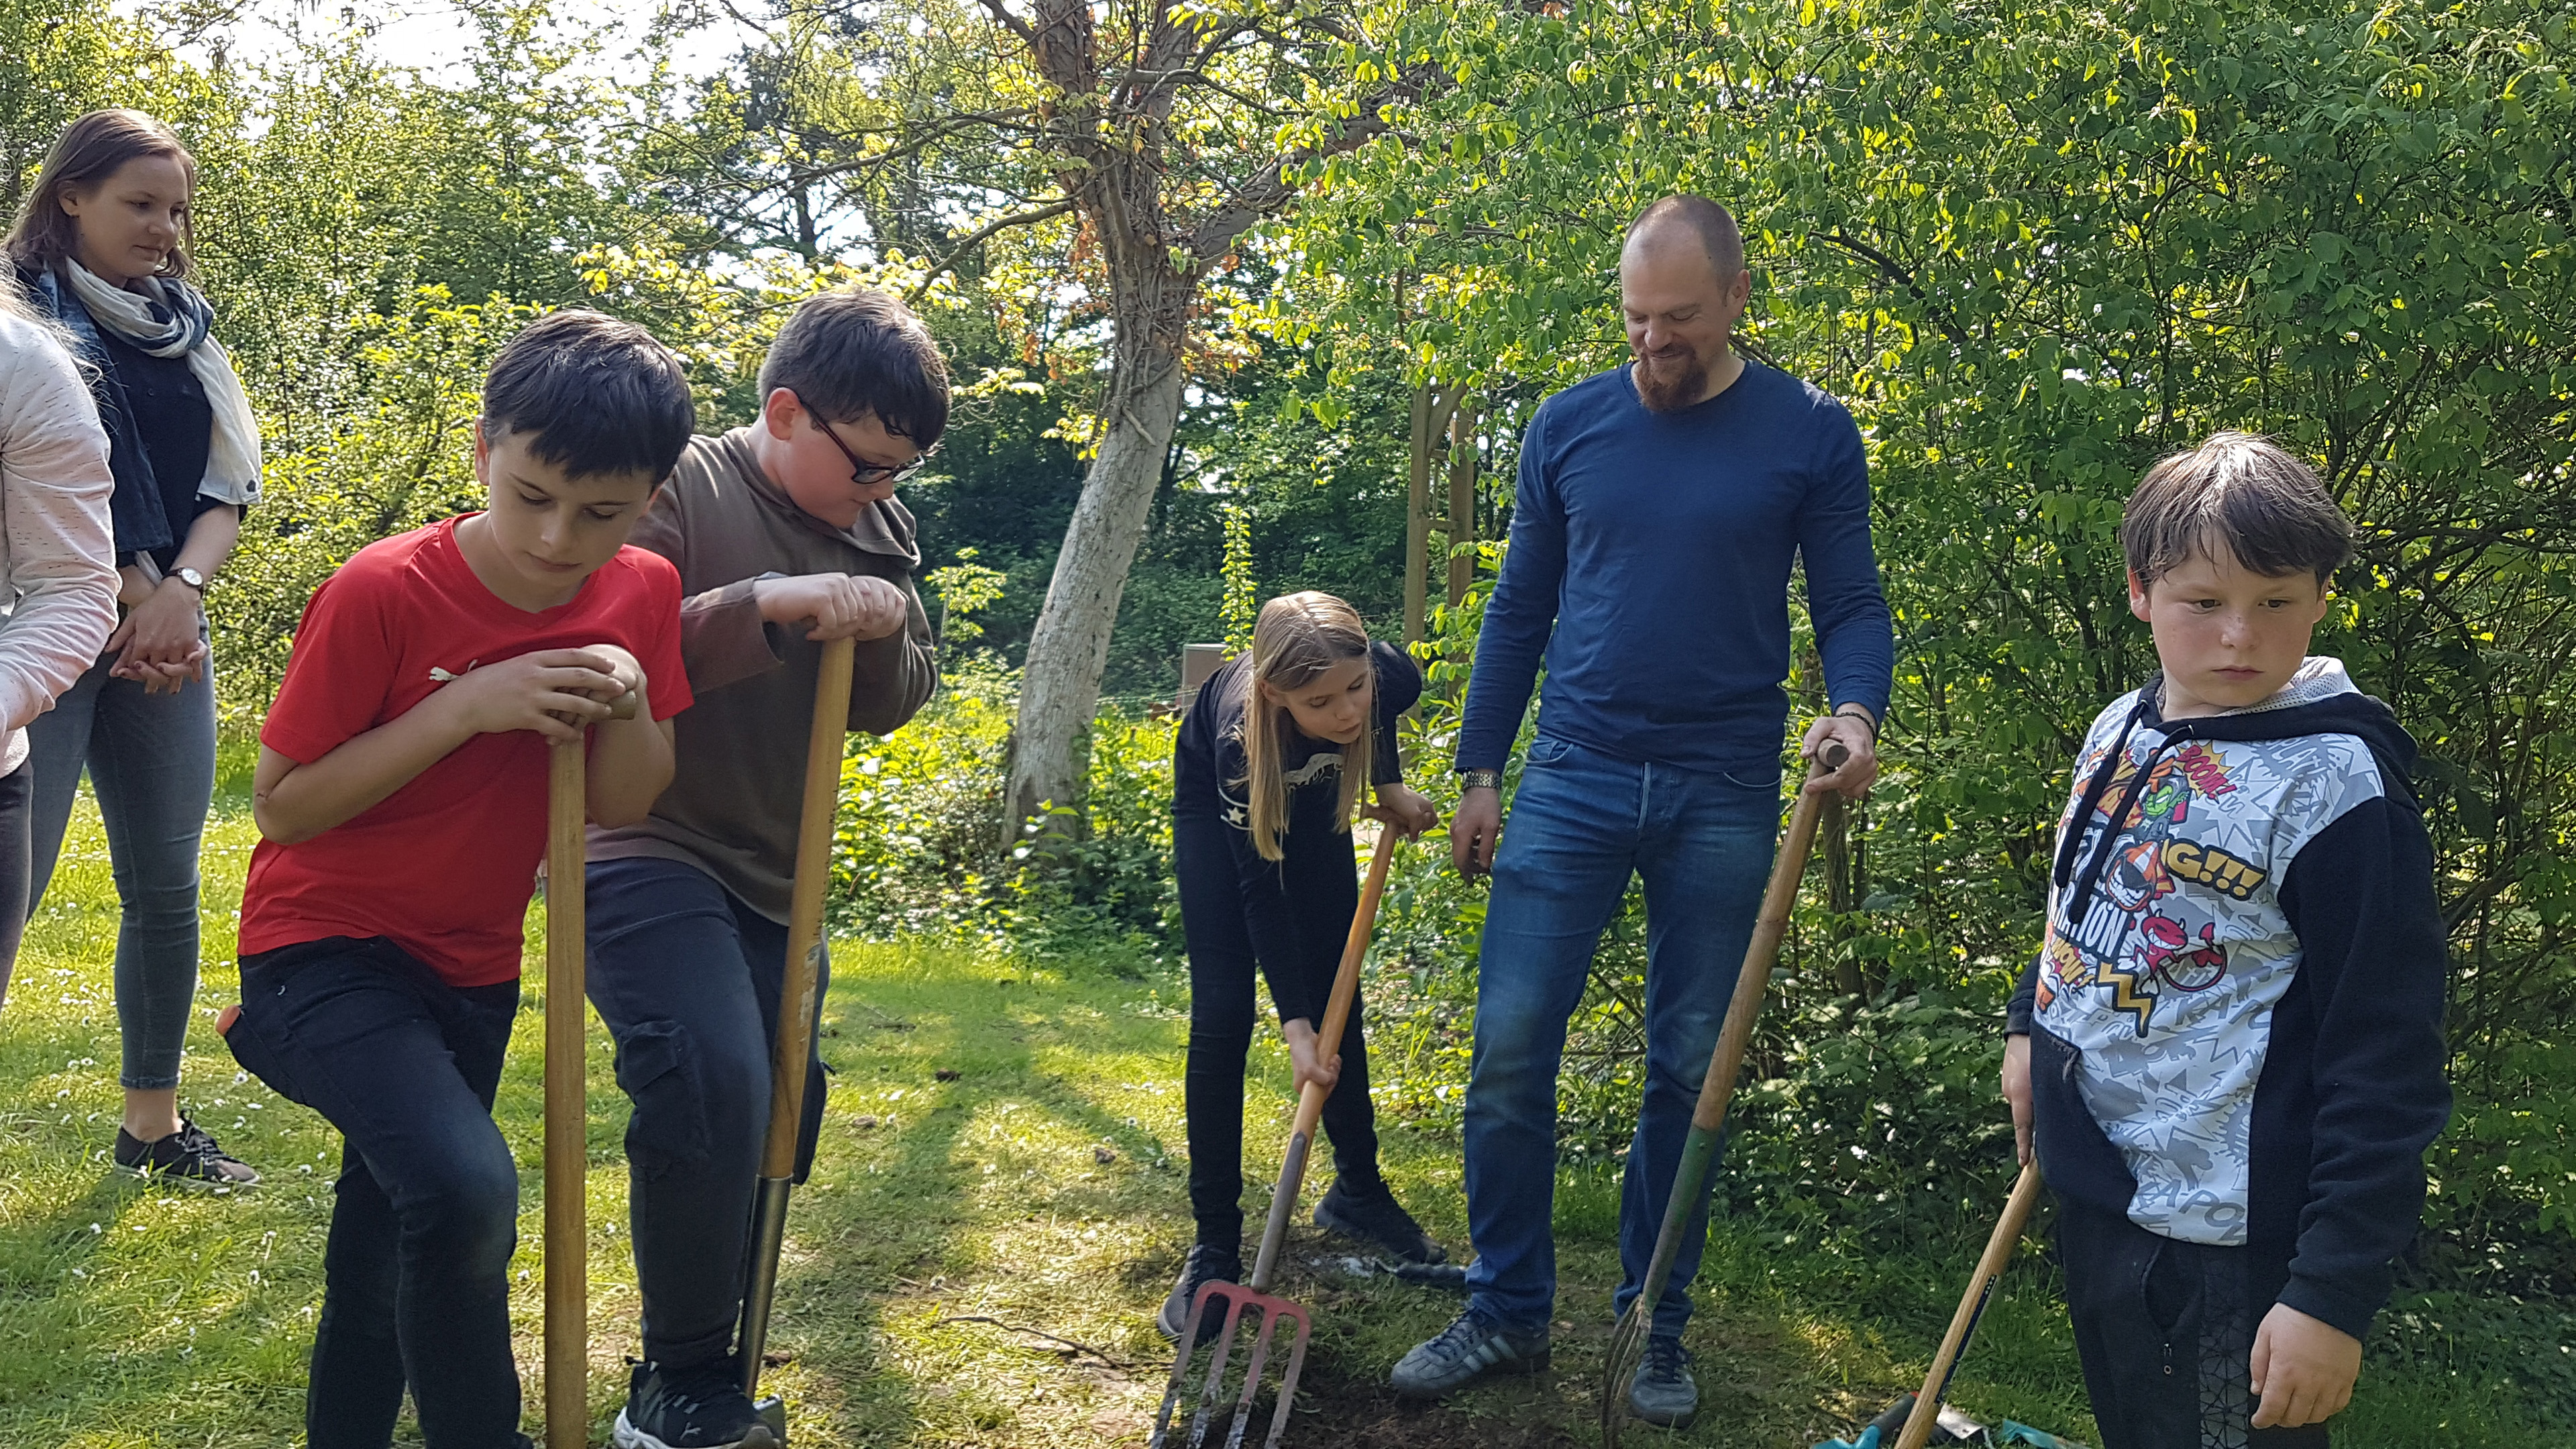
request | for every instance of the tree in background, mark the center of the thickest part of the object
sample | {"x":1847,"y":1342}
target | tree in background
{"x":1150,"y":136}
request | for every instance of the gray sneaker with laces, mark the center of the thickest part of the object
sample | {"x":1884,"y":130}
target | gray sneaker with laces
{"x":1663,"y":1392}
{"x":1465,"y":1349}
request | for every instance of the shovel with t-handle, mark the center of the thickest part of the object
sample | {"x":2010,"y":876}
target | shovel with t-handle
{"x":793,"y":1055}
{"x":1717,"y":1089}
{"x":1908,"y":1423}
{"x":567,"y":1126}
{"x":1241,"y":1302}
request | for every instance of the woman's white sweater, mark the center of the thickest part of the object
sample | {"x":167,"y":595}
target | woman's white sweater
{"x":57,"y":549}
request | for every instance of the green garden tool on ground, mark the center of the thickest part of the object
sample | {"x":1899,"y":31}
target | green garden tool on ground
{"x":1717,"y":1089}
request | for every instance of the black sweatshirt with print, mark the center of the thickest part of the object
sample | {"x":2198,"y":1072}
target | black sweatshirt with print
{"x":1208,"y":770}
{"x":2236,"y":1020}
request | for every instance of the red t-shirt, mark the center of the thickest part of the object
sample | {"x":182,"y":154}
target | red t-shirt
{"x":445,"y":865}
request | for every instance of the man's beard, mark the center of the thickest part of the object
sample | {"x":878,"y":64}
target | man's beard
{"x":1670,"y":381}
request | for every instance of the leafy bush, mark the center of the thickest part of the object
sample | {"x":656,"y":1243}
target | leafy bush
{"x":919,"y":848}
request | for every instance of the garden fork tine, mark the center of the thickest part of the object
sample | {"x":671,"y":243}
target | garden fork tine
{"x":1716,"y":1091}
{"x":1283,"y":1202}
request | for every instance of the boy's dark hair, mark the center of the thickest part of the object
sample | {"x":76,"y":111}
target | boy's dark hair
{"x":855,"y":352}
{"x":2239,"y":494}
{"x":592,"y":395}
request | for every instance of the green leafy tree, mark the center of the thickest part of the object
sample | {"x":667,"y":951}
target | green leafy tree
{"x":2080,"y":240}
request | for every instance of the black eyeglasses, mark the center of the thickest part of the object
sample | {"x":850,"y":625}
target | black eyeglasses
{"x":862,"y":472}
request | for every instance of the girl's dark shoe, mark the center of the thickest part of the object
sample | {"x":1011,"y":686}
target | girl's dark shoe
{"x":1377,"y":1219}
{"x":701,"y":1406}
{"x":188,"y":1156}
{"x":1205,"y":1264}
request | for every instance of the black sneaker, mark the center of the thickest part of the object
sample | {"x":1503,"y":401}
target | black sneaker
{"x":1378,"y":1220}
{"x":187,"y":1156}
{"x":1470,"y":1345}
{"x":1662,"y":1391}
{"x":701,"y":1406}
{"x":1206,"y":1263}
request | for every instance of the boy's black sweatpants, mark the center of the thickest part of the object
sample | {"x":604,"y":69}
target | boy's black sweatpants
{"x":416,"y":1283}
{"x":2166,"y":1332}
{"x":687,"y":977}
{"x":1221,"y":1020}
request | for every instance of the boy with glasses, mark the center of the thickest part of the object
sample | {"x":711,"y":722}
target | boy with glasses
{"x":786,"y":534}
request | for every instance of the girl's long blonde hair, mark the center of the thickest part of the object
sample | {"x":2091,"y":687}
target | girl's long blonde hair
{"x":1298,"y":637}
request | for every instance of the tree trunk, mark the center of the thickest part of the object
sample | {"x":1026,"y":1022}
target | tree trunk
{"x":1107,"y":141}
{"x":1417,"y":517}
{"x":1060,"y":684}
{"x":1462,"y":501}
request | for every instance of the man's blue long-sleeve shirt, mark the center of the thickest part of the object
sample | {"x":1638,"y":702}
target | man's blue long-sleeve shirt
{"x":1656,"y":548}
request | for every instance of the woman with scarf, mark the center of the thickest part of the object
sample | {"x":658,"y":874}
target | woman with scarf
{"x":100,"y":246}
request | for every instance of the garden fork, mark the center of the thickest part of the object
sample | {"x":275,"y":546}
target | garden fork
{"x":1279,"y":1318}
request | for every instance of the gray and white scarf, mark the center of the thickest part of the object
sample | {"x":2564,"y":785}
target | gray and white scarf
{"x":172,"y":319}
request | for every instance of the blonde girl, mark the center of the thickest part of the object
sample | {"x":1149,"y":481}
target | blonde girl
{"x":1272,"y":764}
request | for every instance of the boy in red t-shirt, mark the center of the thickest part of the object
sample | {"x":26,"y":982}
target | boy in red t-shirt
{"x":401,"y":794}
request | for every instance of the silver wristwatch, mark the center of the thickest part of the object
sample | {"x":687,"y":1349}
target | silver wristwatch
{"x":1480,"y":779}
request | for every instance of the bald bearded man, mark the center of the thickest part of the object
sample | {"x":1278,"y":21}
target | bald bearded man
{"x":1660,"y":506}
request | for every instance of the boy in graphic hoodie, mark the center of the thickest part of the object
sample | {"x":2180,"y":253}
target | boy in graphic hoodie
{"x":2228,"y":1053}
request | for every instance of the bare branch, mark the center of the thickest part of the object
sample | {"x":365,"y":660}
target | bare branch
{"x":1268,"y":188}
{"x":997,"y":225}
{"x":1012,"y":23}
{"x":1939,"y":315}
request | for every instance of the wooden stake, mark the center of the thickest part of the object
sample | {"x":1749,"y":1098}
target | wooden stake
{"x":1417,"y":517}
{"x":566,"y":1151}
{"x":1462,"y":499}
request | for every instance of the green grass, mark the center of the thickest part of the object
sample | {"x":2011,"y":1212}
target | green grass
{"x":1041,"y":1187}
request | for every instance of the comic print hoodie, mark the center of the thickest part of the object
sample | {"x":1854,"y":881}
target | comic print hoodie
{"x":2235,"y":1018}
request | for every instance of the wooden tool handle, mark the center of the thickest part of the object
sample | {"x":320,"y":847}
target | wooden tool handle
{"x":1310,"y":1102}
{"x":1346,"y":978}
{"x":1981,"y":1287}
{"x":1717,"y":1090}
{"x":794,"y":1051}
{"x":567,"y":1283}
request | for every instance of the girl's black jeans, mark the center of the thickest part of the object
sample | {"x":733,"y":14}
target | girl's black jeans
{"x":1221,"y":1018}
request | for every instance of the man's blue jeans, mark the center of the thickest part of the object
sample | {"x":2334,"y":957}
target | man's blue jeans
{"x":1581,"y":822}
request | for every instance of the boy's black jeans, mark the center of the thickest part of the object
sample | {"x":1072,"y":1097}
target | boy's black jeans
{"x":416,"y":1276}
{"x":2166,"y":1332}
{"x":687,"y":978}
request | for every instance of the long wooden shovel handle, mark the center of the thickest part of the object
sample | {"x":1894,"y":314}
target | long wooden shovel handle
{"x":795,"y":1047}
{"x":1346,"y":977}
{"x":567,"y":1285}
{"x":1717,"y":1090}
{"x":1310,"y":1102}
{"x":1972,"y":1305}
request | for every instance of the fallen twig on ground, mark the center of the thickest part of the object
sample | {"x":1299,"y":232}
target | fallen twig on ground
{"x":1065,"y":1346}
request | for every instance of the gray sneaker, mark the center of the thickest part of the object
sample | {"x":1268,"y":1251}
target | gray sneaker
{"x":1663,"y":1392}
{"x":1466,"y":1348}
